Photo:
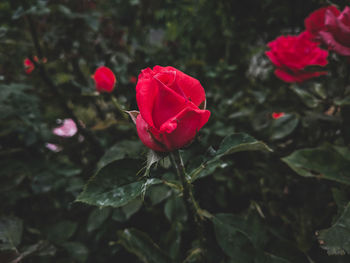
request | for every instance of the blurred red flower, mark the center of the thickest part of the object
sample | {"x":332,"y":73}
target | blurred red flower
{"x":29,"y":65}
{"x":277,"y":115}
{"x":315,"y":22}
{"x":133,"y":79}
{"x":105,"y":79}
{"x":293,"y":54}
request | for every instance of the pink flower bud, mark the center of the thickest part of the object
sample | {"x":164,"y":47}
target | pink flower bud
{"x":53,"y":147}
{"x":67,"y":129}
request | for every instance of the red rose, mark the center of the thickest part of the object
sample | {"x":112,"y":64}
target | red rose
{"x":315,"y":22}
{"x":171,"y":106}
{"x":337,"y":31}
{"x":293,"y":54}
{"x":104,"y":79}
{"x":29,"y":65}
{"x":277,"y":115}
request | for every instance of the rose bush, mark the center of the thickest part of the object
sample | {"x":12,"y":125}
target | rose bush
{"x":293,"y":54}
{"x":172,"y":108}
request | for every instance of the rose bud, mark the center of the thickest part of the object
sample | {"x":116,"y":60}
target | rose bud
{"x":277,"y":115}
{"x":293,"y":54}
{"x":172,"y":108}
{"x":104,"y":79}
{"x":315,"y":22}
{"x":29,"y":65}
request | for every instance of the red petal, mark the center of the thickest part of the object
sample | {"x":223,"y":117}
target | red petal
{"x":191,"y":87}
{"x":143,"y":130}
{"x":168,"y":78}
{"x":298,"y":76}
{"x":336,"y":26}
{"x":146,"y":93}
{"x":315,"y":21}
{"x":344,"y":17}
{"x":329,"y":40}
{"x":167,"y":104}
{"x":273,"y":58}
{"x":189,"y":122}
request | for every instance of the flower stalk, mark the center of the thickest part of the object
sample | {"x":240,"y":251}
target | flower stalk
{"x":196,"y":220}
{"x":119,"y":108}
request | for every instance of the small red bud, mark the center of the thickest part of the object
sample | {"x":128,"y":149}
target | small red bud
{"x":277,"y":115}
{"x":104,"y":79}
{"x":28,"y":66}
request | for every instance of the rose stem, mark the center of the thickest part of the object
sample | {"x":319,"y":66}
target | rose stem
{"x":85,"y":132}
{"x":119,"y":107}
{"x":192,"y":207}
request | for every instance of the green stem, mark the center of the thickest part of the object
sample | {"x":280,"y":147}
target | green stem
{"x":119,"y":108}
{"x":196,"y":220}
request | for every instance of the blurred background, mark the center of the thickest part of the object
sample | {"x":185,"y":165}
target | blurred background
{"x":222,"y":44}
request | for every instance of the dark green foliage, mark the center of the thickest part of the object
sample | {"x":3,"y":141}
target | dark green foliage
{"x":267,"y":190}
{"x":336,"y":239}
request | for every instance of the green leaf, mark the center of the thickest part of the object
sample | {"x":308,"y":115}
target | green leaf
{"x":236,"y":142}
{"x":122,"y":214}
{"x":142,"y":246}
{"x":97,"y":217}
{"x":205,"y":169}
{"x":308,"y":99}
{"x":239,"y":142}
{"x":336,"y":239}
{"x":116,"y":185}
{"x":132,"y":207}
{"x":118,"y":215}
{"x":175,"y":210}
{"x":243,"y":238}
{"x":119,"y":151}
{"x":10,"y":232}
{"x":322,"y":162}
{"x":39,"y":9}
{"x":173,"y":241}
{"x":158,"y":193}
{"x":283,"y":126}
{"x":77,"y":250}
{"x":62,"y":231}
{"x":342,"y":101}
